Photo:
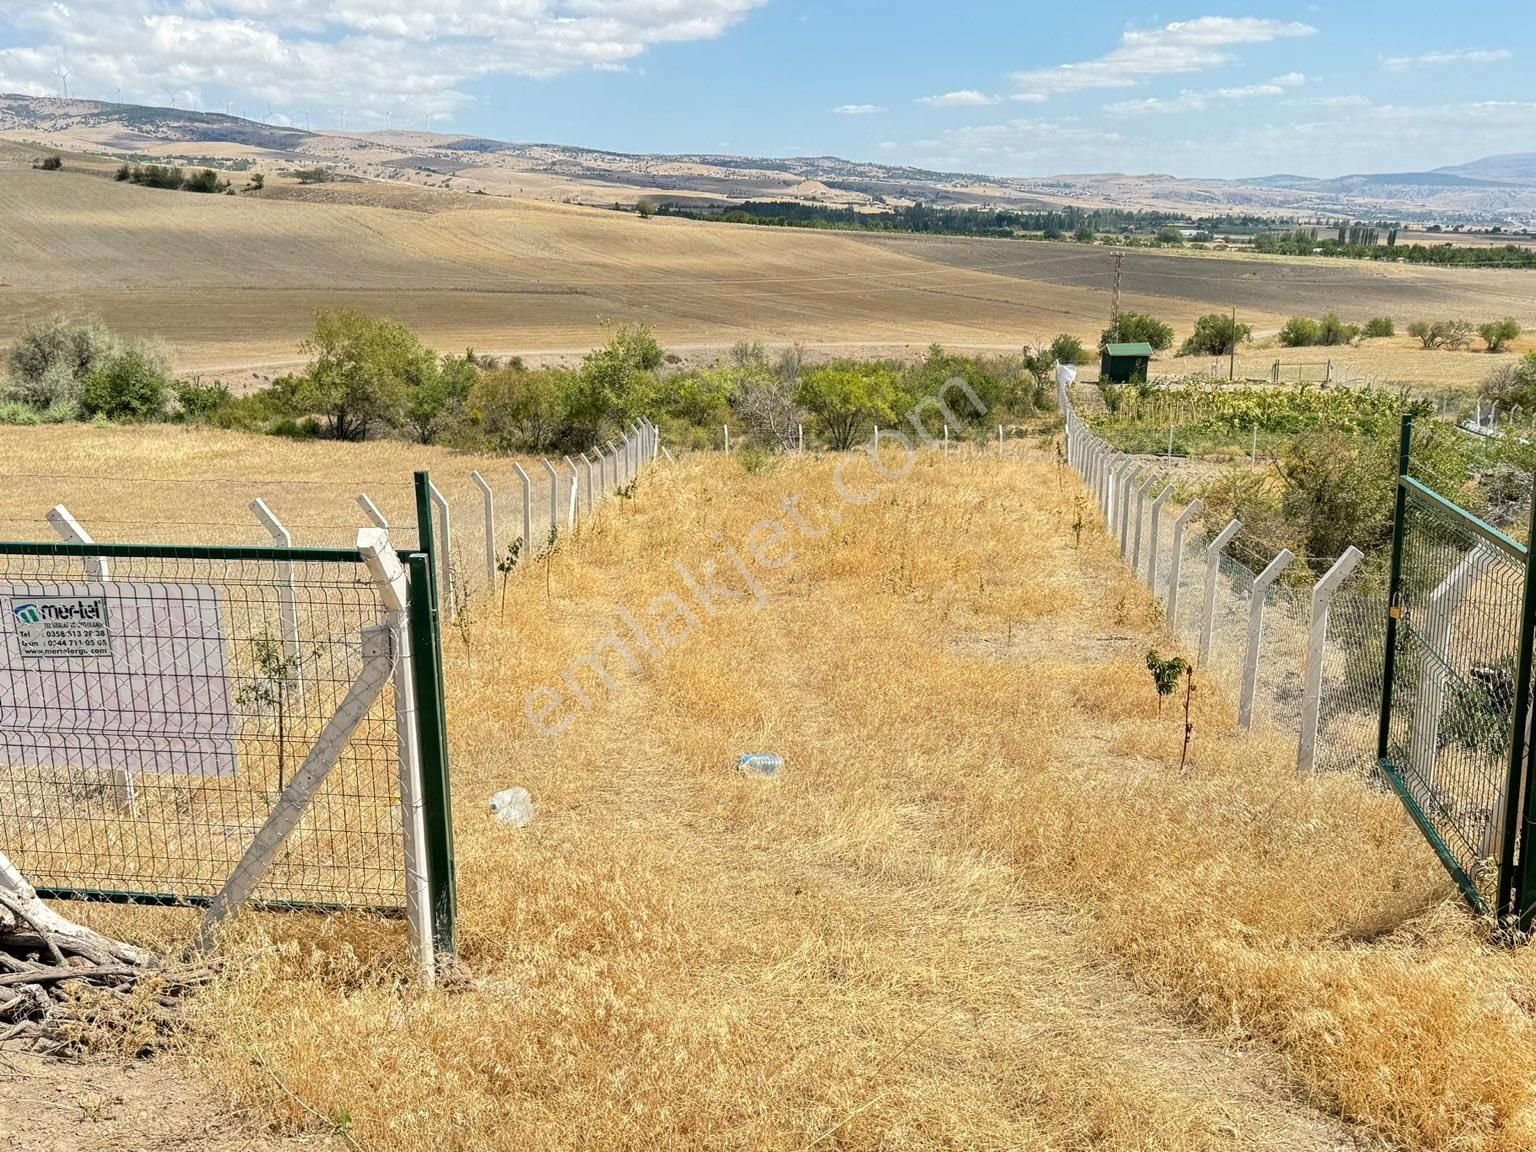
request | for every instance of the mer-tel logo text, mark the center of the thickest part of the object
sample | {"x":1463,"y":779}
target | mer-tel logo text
{"x":59,"y":611}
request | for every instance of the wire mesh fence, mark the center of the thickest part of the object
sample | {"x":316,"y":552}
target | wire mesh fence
{"x":1353,"y":672}
{"x":155,"y":706}
{"x":1454,"y":671}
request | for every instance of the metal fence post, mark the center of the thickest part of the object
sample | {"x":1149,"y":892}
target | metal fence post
{"x":437,"y":809}
{"x":490,"y":525}
{"x":1157,"y":522}
{"x":1395,"y":588}
{"x":1522,"y":773}
{"x":1212,"y":577}
{"x":1317,"y":645}
{"x":1176,"y":568}
{"x":1256,"y":606}
{"x":526,"y":552}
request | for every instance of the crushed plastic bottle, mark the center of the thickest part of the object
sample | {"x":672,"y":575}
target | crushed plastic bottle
{"x":760,"y":765}
{"x":514,"y":807}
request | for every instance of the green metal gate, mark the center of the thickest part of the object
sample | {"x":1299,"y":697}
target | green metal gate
{"x":158,"y":703}
{"x":1454,"y":732}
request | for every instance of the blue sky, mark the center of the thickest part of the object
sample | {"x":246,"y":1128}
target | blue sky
{"x":986,"y":86}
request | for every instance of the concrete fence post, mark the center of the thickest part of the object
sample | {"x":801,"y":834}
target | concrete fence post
{"x":572,"y":510}
{"x":802,"y":439}
{"x":1132,"y":474}
{"x":1176,"y":567}
{"x":613,"y":459}
{"x":1001,"y":446}
{"x":488,"y":502}
{"x":69,"y":530}
{"x":287,"y":594}
{"x":591,"y":483}
{"x":445,"y":550}
{"x":1212,"y":578}
{"x":1317,"y":645}
{"x":1429,"y":706}
{"x":1141,"y":507}
{"x":526,"y":552}
{"x":554,"y":496}
{"x":371,"y":510}
{"x":1256,"y":606}
{"x":1157,"y":524}
{"x":727,"y":428}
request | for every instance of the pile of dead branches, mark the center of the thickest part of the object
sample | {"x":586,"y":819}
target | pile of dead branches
{"x":55,"y":973}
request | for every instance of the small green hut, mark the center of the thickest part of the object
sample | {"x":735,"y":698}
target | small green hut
{"x":1123,"y":363}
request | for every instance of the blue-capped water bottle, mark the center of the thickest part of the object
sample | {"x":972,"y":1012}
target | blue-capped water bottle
{"x":760,"y":765}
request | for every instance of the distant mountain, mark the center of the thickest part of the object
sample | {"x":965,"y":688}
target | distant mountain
{"x":1513,"y":168}
{"x":1495,"y":190}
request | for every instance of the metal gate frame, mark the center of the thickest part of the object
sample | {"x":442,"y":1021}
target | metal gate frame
{"x":424,"y":734}
{"x":1515,"y":900}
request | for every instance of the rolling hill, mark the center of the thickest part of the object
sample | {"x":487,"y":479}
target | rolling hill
{"x":1495,"y":190}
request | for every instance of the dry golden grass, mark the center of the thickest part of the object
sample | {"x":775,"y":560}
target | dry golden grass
{"x":982,"y":909}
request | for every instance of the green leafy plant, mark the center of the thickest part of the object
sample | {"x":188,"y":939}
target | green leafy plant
{"x":267,"y":691}
{"x":506,"y":565}
{"x":1166,"y":674}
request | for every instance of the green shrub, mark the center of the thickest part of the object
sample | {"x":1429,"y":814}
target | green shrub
{"x":1216,"y":334}
{"x":1380,"y":328}
{"x":17,"y":413}
{"x":1067,"y":349}
{"x":131,"y":387}
{"x":204,"y":180}
{"x":197,"y":403}
{"x":124,"y":173}
{"x":1299,"y":332}
{"x":50,"y":163}
{"x":1499,"y":334}
{"x":52,"y":355}
{"x":1136,"y":328}
{"x":1332,"y":331}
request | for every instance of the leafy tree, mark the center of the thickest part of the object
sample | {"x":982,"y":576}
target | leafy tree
{"x":519,"y":409}
{"x":257,"y":181}
{"x":1084,"y":234}
{"x":438,"y":392}
{"x":197,"y":403}
{"x":1136,"y":328}
{"x":50,"y":163}
{"x":1498,"y":334}
{"x":130,"y":386}
{"x":1170,"y":237}
{"x":361,"y":374}
{"x":1512,"y":386}
{"x":1332,"y":331}
{"x":1216,"y":334}
{"x":1457,"y":334}
{"x":1381,"y":327}
{"x":52,"y":355}
{"x":1430,"y":335}
{"x":766,"y":402}
{"x":1067,"y":349}
{"x":616,"y":383}
{"x":312,"y":175}
{"x":204,"y":180}
{"x":846,"y":396}
{"x":646,"y":208}
{"x":1299,"y":332}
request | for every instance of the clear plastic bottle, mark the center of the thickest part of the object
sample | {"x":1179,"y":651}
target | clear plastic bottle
{"x":514,"y":807}
{"x":760,"y":765}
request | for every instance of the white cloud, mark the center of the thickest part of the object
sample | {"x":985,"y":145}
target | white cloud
{"x":1198,"y":101}
{"x":859,"y":110}
{"x":969,"y":98}
{"x":409,"y":57}
{"x":1012,"y":147}
{"x":1187,"y":46}
{"x":1434,"y":59}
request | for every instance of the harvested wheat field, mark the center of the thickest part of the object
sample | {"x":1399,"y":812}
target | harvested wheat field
{"x":982,"y":907}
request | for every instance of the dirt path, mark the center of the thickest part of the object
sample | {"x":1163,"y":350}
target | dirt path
{"x":106,"y":1106}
